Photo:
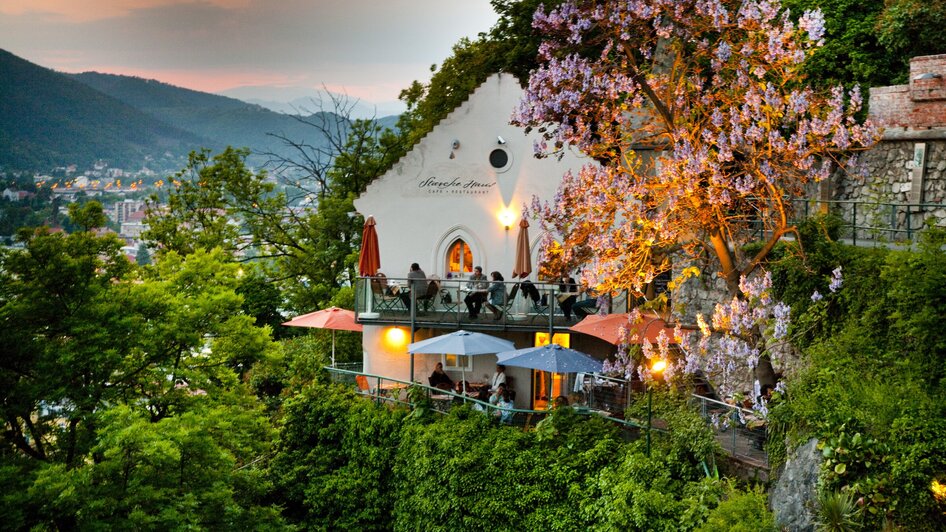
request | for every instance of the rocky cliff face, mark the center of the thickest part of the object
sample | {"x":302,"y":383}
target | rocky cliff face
{"x":794,"y":494}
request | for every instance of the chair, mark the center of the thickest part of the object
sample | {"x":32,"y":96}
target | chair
{"x":511,"y":298}
{"x":363,"y":387}
{"x":430,"y":296}
{"x":382,"y":299}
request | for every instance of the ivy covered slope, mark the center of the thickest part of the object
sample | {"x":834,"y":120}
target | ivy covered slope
{"x":873,"y":388}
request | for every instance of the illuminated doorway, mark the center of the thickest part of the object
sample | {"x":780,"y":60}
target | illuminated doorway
{"x":546,"y":386}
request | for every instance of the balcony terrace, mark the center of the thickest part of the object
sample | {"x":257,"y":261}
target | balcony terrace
{"x":382,"y":302}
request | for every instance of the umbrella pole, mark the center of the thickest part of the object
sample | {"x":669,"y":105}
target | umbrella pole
{"x":333,"y":348}
{"x":413,"y":301}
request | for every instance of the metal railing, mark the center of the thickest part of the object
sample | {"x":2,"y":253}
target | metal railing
{"x":738,"y":430}
{"x":874,"y":222}
{"x":389,"y":300}
{"x":384,"y":390}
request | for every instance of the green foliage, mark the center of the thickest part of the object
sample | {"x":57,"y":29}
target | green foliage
{"x":88,"y":216}
{"x":871,"y":42}
{"x":910,"y":28}
{"x":837,"y":512}
{"x":686,"y":439}
{"x":334,"y":460}
{"x":855,"y":463}
{"x":464,"y":471}
{"x":741,"y":511}
{"x":872,"y":389}
{"x":209,"y":194}
{"x":196,"y":469}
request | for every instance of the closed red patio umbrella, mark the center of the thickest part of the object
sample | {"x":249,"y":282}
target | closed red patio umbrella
{"x":523,"y":265}
{"x":369,"y":261}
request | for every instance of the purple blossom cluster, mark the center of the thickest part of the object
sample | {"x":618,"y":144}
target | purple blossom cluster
{"x":746,"y":130}
{"x":742,"y":329}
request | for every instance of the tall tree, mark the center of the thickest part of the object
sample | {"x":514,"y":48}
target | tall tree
{"x":703,"y":124}
{"x":82,"y":332}
{"x":871,"y":42}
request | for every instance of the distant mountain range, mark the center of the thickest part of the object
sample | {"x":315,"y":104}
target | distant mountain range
{"x":50,"y":119}
{"x":296,"y":100}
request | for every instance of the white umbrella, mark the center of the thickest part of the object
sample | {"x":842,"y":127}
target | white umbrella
{"x":461,"y":343}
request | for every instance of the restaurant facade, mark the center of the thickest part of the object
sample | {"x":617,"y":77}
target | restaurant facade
{"x":453,"y":203}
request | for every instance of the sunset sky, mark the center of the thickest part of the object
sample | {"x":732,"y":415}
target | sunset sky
{"x":369,"y":49}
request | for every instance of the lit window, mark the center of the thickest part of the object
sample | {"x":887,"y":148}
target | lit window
{"x":459,"y":258}
{"x":562,"y":339}
{"x":458,"y":362}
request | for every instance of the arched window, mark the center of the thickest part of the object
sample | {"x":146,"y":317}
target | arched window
{"x":459,"y":258}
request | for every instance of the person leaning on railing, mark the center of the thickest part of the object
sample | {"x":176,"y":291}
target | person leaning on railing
{"x":567,"y":295}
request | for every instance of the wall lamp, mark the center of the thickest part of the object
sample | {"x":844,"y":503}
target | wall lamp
{"x":507,"y":217}
{"x":453,"y":147}
{"x":500,"y":139}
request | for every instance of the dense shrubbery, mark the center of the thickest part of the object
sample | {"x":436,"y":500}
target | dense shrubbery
{"x":346,"y":463}
{"x":873,"y":386}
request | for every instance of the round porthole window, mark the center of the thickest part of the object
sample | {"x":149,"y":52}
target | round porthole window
{"x":499,"y":159}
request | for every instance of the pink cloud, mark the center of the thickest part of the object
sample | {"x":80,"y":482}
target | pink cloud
{"x":73,"y":11}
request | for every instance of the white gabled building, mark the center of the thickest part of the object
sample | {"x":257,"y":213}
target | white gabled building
{"x":452,"y":203}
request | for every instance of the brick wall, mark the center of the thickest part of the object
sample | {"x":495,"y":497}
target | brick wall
{"x":921,"y":104}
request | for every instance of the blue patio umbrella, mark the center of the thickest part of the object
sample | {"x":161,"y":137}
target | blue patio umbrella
{"x":461,"y":343}
{"x":552,"y":358}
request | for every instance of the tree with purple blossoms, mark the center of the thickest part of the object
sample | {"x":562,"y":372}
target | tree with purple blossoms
{"x":702,"y":122}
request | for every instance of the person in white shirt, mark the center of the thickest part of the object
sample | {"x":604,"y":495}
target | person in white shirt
{"x":498,"y":378}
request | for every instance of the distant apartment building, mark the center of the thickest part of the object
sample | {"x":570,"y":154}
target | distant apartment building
{"x":133,"y":225}
{"x":122,"y":210}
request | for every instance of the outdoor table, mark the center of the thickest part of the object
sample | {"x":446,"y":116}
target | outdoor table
{"x":391,"y":389}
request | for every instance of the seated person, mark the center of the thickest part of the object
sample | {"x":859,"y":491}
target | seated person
{"x":560,"y":401}
{"x":417,"y":282}
{"x":504,"y":406}
{"x":496,"y":295}
{"x":588,"y":305}
{"x":439,"y":379}
{"x":483,"y":396}
{"x":567,"y":295}
{"x":462,"y":387}
{"x":477,"y":287}
{"x":497,"y":394}
{"x":499,"y":378}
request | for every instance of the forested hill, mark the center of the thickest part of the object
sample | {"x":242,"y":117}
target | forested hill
{"x":51,"y":119}
{"x":48,"y":119}
{"x":227,"y":121}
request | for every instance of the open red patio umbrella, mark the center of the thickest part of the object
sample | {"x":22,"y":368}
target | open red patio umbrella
{"x":523,"y":265}
{"x":334,"y":318}
{"x":369,"y":261}
{"x":608,"y":328}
